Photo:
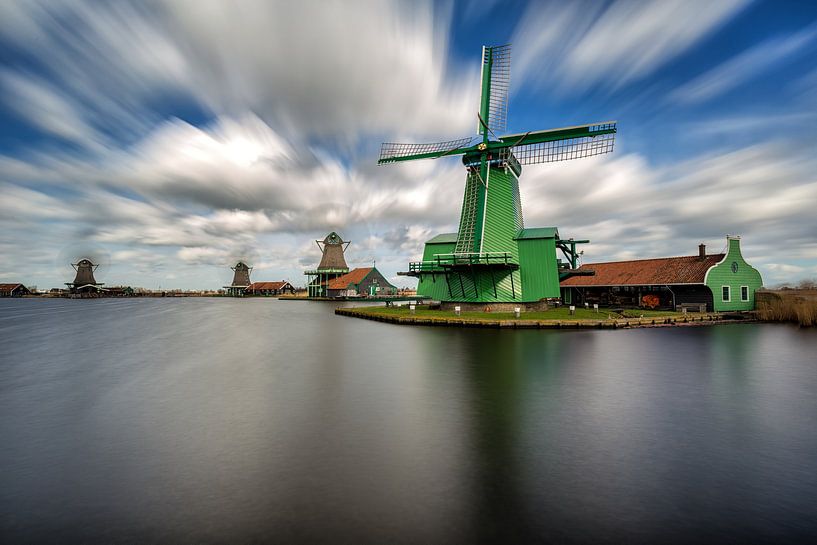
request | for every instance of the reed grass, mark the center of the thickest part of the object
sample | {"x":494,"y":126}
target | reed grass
{"x":795,"y":306}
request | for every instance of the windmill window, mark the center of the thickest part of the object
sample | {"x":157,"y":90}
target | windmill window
{"x":726,"y":295}
{"x":744,"y":293}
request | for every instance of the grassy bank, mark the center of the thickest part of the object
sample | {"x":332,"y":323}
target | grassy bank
{"x":562,"y":313}
{"x":795,"y":306}
{"x":551,"y":319}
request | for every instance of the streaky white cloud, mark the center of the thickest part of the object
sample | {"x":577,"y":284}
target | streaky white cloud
{"x":582,"y":45}
{"x":627,"y":206}
{"x":37,"y":102}
{"x":178,"y":202}
{"x":745,"y":66}
{"x":334,"y":70}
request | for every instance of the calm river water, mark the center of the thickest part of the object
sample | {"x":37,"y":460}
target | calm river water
{"x":219,"y":420}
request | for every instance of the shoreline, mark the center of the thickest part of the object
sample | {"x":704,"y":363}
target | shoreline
{"x":712,"y":318}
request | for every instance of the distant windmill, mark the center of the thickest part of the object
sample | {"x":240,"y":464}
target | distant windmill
{"x":84,"y":281}
{"x":332,"y":265}
{"x":241,"y":280}
{"x":492,"y":257}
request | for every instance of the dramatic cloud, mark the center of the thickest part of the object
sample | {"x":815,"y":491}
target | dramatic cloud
{"x":330,"y":69}
{"x":746,"y":66}
{"x":578,"y":45}
{"x":630,"y":208}
{"x":184,"y":136}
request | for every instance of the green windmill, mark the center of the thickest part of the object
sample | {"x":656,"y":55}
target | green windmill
{"x":493,"y":258}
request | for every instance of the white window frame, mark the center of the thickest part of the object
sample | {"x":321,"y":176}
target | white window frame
{"x":729,"y":293}
{"x":747,"y":294}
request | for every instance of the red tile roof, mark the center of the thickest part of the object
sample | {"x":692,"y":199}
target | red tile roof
{"x":260,"y":286}
{"x":9,"y":286}
{"x":355,"y":276}
{"x":8,"y":289}
{"x":646,"y":272}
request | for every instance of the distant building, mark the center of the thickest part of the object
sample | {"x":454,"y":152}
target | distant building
{"x":241,"y":280}
{"x":332,"y":265}
{"x":84,"y":283}
{"x":716,"y":282}
{"x":366,"y":282}
{"x":13,"y":290}
{"x":119,"y":291}
{"x":270,"y":288}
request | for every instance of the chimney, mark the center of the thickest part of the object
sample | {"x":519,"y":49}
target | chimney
{"x":701,"y":251}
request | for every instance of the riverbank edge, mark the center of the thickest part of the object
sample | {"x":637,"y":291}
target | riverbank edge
{"x":626,"y":323}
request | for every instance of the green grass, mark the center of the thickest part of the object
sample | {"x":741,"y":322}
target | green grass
{"x":562,"y":313}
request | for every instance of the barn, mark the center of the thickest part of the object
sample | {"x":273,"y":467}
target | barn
{"x":13,"y":290}
{"x":269,"y":288}
{"x":366,"y":282}
{"x":712,"y":282}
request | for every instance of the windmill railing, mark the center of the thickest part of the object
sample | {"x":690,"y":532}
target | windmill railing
{"x":444,"y":262}
{"x":326,"y":271}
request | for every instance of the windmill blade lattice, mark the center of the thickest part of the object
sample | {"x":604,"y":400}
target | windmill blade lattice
{"x":564,"y":150}
{"x":499,"y":58}
{"x":391,"y":151}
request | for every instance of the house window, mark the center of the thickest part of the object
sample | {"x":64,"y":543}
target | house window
{"x":744,"y":293}
{"x":726,"y":296}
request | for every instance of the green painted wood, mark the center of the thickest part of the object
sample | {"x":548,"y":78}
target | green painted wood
{"x":434,"y":286}
{"x":503,"y":213}
{"x":485,"y":97}
{"x":538,"y":232}
{"x":733,"y":271}
{"x":538,"y":268}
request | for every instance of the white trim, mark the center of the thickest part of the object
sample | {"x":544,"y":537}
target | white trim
{"x":729,"y":289}
{"x":742,"y":300}
{"x":725,"y":255}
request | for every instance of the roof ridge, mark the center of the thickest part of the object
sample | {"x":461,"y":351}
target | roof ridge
{"x":654,"y":259}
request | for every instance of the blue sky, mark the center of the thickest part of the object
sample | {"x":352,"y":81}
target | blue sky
{"x":177,"y":137}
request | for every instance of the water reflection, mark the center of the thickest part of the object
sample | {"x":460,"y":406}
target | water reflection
{"x":223,"y":420}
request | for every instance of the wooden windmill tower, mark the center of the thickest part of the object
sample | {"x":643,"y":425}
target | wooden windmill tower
{"x":84,"y":281}
{"x":332,"y":265}
{"x":241,"y":280}
{"x":493,"y":258}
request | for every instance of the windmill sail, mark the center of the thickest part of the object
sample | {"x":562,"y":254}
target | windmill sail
{"x":562,"y":144}
{"x":564,"y":150}
{"x":498,"y":60}
{"x":391,"y":152}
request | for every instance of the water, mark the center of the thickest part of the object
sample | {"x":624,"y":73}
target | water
{"x":217,"y":420}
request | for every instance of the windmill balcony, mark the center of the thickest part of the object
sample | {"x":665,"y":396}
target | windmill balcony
{"x":443,"y":263}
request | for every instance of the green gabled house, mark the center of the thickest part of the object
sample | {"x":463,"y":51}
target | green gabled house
{"x":733,"y":281}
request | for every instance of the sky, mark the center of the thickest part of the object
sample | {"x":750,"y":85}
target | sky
{"x":173,"y":138}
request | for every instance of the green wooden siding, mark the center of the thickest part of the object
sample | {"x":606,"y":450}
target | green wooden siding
{"x":434,"y":286}
{"x":537,"y":262}
{"x":733,"y":272}
{"x":503,"y":231}
{"x":503,"y":218}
